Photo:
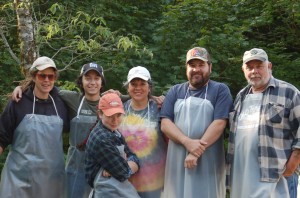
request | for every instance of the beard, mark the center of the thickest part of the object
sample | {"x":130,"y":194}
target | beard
{"x":199,"y":82}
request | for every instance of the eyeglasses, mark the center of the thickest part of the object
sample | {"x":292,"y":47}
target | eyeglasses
{"x":50,"y":77}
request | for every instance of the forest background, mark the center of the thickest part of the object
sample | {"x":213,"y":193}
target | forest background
{"x":121,"y":34}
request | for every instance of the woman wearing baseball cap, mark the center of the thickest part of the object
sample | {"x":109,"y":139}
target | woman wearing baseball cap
{"x":141,"y":130}
{"x":33,"y":128}
{"x":83,"y":116}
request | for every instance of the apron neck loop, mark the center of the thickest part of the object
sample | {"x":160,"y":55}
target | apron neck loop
{"x":148,"y":111}
{"x":79,"y":108}
{"x":54,"y":104}
{"x":33,"y":103}
{"x":34,"y":100}
{"x":188,"y":89}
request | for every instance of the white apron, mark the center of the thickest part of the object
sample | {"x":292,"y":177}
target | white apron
{"x":105,"y":187}
{"x":193,"y":115}
{"x":77,"y":185}
{"x":35,"y":164}
{"x":246,"y":171}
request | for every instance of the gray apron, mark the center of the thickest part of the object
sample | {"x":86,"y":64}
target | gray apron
{"x":35,"y":164}
{"x":246,"y":171}
{"x":192,"y":116}
{"x":77,"y":185}
{"x":141,"y":133}
{"x":105,"y":187}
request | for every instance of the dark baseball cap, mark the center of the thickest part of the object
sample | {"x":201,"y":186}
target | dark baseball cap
{"x":93,"y":66}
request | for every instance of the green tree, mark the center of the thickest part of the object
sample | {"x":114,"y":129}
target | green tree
{"x":227,"y":29}
{"x":65,"y":32}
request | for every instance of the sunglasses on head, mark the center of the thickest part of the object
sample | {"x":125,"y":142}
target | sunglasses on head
{"x":51,"y":77}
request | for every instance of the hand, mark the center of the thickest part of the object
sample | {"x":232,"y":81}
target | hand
{"x":134,"y":167}
{"x":105,"y":173}
{"x":287,"y":173}
{"x":17,"y":94}
{"x":292,"y":163}
{"x":190,"y":161}
{"x":195,"y":147}
{"x":112,"y":91}
{"x":158,"y":100}
{"x":290,"y":168}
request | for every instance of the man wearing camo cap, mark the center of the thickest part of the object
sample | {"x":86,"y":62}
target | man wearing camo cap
{"x":194,"y":115}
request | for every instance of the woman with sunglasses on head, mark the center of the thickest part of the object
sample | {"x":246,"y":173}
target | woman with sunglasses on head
{"x":33,"y":128}
{"x":141,"y":129}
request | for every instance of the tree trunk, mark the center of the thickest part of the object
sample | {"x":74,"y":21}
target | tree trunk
{"x":28,"y":51}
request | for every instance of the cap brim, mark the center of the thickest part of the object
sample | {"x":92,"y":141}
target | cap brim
{"x":91,"y":69}
{"x":254,"y":58}
{"x":42,"y":67}
{"x":112,"y":111}
{"x":199,"y":58}
{"x":137,"y":76}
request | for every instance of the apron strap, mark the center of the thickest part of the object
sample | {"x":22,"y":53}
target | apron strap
{"x":148,"y":111}
{"x":79,"y":108}
{"x":34,"y":99}
{"x":81,"y":146}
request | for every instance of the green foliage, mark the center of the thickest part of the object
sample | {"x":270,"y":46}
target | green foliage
{"x":227,"y":29}
{"x":76,"y":34}
{"x":121,"y":34}
{"x":9,"y":77}
{"x":67,"y":85}
{"x":210,"y":24}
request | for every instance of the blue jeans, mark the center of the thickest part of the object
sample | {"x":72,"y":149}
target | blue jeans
{"x":293,"y":184}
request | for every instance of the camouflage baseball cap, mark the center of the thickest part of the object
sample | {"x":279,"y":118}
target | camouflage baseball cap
{"x":198,"y":53}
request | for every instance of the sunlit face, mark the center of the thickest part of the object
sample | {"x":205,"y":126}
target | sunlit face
{"x":138,"y":89}
{"x":44,"y":82}
{"x":111,"y":122}
{"x":198,"y":72}
{"x":91,"y":83}
{"x":257,"y":73}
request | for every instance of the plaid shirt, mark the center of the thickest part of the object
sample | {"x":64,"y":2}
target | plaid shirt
{"x":278,"y":131}
{"x":102,"y":152}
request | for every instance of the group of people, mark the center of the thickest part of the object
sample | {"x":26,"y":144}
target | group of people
{"x":133,"y":148}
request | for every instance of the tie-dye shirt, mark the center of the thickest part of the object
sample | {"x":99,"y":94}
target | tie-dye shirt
{"x":141,"y":130}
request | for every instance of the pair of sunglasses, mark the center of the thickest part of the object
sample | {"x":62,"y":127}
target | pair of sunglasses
{"x":41,"y":77}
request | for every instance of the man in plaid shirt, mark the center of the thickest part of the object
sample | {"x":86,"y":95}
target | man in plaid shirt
{"x":264,"y":140}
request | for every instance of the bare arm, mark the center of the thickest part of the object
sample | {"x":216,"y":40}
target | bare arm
{"x":211,"y":135}
{"x":292,"y":163}
{"x":214,"y":131}
{"x":1,"y":150}
{"x":194,"y":146}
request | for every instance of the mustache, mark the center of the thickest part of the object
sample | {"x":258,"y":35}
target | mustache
{"x":255,"y":76}
{"x":196,"y":74}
